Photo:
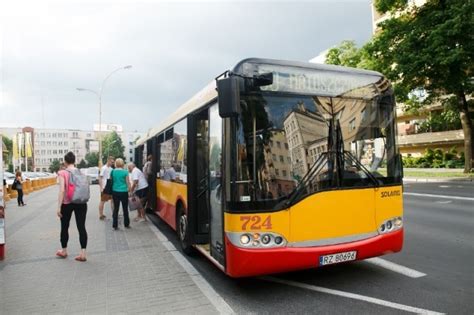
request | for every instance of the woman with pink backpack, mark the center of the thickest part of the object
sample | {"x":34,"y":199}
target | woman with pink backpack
{"x":68,"y":202}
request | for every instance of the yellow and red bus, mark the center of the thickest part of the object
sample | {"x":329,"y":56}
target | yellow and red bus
{"x":278,"y":166}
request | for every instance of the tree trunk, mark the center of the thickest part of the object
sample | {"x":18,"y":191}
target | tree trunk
{"x":466,"y":123}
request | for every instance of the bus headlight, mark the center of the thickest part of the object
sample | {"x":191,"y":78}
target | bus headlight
{"x":244,"y":239}
{"x":391,"y":225}
{"x":256,"y":239}
{"x":266,"y":238}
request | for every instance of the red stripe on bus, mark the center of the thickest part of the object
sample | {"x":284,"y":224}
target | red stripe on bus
{"x":246,"y":262}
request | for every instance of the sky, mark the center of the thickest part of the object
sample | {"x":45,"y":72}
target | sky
{"x":50,"y":48}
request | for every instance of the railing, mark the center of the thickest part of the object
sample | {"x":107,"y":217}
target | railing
{"x":440,"y":137}
{"x":29,"y":186}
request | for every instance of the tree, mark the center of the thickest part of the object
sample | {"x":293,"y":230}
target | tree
{"x":9,"y":156}
{"x":82,"y":164}
{"x":346,"y":54}
{"x":430,"y":47}
{"x":92,"y":159}
{"x":112,"y":146}
{"x":54,"y":167}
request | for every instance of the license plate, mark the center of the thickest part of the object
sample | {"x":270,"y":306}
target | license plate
{"x":337,"y":258}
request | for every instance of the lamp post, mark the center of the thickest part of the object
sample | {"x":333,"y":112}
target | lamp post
{"x":99,"y":96}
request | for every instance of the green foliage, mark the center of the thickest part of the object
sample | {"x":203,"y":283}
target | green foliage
{"x":82,"y":164}
{"x":346,"y":54}
{"x":427,"y":46}
{"x":389,"y":5}
{"x":112,"y":146}
{"x":8,"y":157}
{"x":92,"y":159}
{"x":54,"y":167}
{"x":436,"y":158}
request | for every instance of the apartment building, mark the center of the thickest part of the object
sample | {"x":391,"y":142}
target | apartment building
{"x":52,"y":144}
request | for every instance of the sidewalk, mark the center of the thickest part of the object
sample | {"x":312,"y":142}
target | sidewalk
{"x":128,"y":271}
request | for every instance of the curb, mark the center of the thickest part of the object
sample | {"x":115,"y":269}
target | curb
{"x":438,"y":180}
{"x":216,"y":300}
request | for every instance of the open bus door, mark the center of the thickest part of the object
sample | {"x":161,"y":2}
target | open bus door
{"x":153,"y":148}
{"x":204,"y":183}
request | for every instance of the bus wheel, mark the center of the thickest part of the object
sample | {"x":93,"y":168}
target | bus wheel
{"x":183,"y":231}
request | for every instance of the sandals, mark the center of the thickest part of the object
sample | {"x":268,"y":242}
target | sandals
{"x":80,"y":258}
{"x":61,"y":254}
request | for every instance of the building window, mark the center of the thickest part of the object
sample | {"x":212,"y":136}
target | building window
{"x":277,"y":172}
{"x":271,"y":143}
{"x":362,"y":114}
{"x":278,"y":144}
{"x":286,"y":145}
{"x":352,"y":124}
{"x":274,"y":157}
{"x":284,"y":173}
{"x":281,"y":159}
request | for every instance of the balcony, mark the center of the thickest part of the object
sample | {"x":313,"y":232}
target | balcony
{"x":431,"y":138}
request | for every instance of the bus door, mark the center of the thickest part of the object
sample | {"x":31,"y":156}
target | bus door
{"x":204,"y":181}
{"x":198,"y":184}
{"x":153,"y":148}
{"x":215,"y":184}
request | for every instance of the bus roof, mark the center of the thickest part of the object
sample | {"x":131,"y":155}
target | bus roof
{"x":209,"y":93}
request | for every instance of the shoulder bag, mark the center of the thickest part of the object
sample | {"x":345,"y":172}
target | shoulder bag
{"x":108,"y":185}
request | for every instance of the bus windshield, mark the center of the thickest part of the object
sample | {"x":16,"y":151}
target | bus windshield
{"x":288,"y":146}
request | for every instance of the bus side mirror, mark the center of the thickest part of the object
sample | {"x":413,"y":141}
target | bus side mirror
{"x":228,"y":97}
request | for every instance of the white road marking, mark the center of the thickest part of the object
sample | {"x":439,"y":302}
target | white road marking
{"x":444,"y":186}
{"x":412,"y":273}
{"x":444,"y":202}
{"x":219,"y":303}
{"x":439,"y":196}
{"x":353,"y":296}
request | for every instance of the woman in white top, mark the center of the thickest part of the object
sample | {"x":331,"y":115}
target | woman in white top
{"x":139,"y":188}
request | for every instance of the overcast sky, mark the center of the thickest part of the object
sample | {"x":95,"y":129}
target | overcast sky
{"x":48,"y":48}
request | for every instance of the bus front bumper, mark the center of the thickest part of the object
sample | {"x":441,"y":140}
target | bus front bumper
{"x":243,"y":262}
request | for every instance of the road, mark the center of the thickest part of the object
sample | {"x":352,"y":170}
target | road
{"x":438,"y":250}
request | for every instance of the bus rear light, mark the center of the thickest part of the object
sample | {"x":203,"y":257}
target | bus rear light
{"x":391,"y":225}
{"x":256,"y":240}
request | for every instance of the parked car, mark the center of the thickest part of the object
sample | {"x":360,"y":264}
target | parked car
{"x":9,"y":178}
{"x":93,"y":175}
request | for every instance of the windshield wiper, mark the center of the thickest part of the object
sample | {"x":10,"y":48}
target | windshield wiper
{"x":354,"y":160}
{"x":313,"y":171}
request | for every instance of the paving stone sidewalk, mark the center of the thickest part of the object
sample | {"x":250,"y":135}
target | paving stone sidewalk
{"x":128,"y":271}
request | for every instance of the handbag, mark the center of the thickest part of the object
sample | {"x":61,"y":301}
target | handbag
{"x":15,"y":182}
{"x":134,"y":203}
{"x":108,"y":185}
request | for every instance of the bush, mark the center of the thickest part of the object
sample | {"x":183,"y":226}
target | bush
{"x":436,"y":158}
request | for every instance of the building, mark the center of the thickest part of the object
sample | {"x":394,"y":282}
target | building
{"x":277,"y":173}
{"x":48,"y":145}
{"x":303,"y":128}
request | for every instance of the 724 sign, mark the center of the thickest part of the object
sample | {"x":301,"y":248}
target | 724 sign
{"x":256,"y":222}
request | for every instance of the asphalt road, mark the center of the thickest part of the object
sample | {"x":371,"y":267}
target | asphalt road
{"x":439,"y":242}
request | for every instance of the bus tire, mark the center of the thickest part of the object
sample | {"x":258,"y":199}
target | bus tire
{"x":182,"y":230}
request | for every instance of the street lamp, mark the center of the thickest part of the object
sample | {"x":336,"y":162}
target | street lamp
{"x":99,"y":96}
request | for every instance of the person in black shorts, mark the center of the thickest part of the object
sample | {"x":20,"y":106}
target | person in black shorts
{"x":139,"y":188}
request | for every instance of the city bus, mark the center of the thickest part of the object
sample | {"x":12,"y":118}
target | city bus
{"x":278,"y":166}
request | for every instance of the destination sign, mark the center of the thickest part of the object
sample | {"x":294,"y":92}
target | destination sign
{"x":318,"y":82}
